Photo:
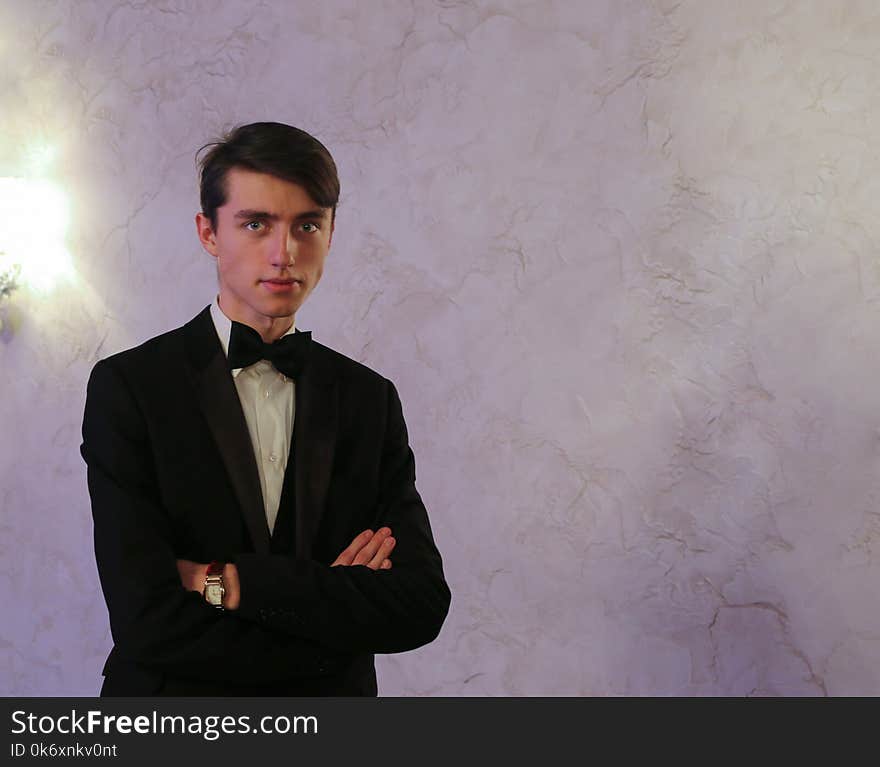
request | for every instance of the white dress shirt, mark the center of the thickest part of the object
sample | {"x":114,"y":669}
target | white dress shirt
{"x":268,"y":400}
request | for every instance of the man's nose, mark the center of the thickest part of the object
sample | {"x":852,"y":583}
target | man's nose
{"x":285,"y":252}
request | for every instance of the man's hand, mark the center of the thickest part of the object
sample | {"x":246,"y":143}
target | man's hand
{"x":192,"y":574}
{"x":369,"y":549}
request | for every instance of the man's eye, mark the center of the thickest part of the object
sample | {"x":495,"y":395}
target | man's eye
{"x":254,"y":226}
{"x":310,"y":227}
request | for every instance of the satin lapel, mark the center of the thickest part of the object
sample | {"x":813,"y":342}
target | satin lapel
{"x":314,"y":445}
{"x":219,"y":402}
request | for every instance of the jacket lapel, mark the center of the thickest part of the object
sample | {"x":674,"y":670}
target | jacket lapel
{"x":314,"y":442}
{"x":218,"y":400}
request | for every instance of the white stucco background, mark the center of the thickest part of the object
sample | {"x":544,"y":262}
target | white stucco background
{"x":620,"y":259}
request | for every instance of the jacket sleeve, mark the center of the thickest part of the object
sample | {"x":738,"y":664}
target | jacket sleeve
{"x":153,"y":619}
{"x":354,"y":608}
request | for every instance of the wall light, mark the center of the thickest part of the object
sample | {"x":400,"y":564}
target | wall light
{"x":33,"y":222}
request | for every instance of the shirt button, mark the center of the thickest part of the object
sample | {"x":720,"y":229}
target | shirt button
{"x":266,"y":393}
{"x":273,"y":458}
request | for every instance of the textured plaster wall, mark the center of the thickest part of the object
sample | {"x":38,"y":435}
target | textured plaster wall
{"x":621,"y":259}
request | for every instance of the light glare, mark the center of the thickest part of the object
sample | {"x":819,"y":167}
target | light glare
{"x":34,"y":214}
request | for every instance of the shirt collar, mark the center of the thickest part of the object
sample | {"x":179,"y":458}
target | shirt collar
{"x":223,"y":326}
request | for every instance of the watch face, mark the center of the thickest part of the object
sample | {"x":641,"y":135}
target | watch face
{"x":214,"y":593}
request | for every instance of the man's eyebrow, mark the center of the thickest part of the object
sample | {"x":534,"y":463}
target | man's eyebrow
{"x":249,"y":214}
{"x":317,"y":214}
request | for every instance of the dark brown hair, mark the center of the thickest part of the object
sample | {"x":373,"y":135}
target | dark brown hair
{"x":274,"y":148}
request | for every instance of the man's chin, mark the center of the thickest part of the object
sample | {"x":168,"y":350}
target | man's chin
{"x":280,"y":312}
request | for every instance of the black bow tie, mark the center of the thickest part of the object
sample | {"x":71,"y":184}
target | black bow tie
{"x":287,"y":354}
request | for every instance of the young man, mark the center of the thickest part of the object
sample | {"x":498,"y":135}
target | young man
{"x":257,"y":526}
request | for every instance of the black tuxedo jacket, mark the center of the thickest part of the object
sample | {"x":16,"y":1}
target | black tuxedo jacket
{"x":172,"y":475}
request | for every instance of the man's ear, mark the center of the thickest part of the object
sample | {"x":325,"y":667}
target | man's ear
{"x":205,"y":231}
{"x":332,"y":228}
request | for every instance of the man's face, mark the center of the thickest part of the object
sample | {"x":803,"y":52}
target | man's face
{"x":270,"y":243}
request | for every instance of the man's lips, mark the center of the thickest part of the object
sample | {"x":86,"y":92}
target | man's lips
{"x":281,"y":285}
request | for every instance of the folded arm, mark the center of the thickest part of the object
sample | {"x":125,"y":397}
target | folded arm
{"x":358,"y":608}
{"x":368,"y":548}
{"x":153,"y":618}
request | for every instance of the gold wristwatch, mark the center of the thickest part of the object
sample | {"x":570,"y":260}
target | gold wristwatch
{"x":214,"y":589}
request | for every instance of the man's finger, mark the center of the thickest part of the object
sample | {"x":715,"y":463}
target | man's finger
{"x":369,"y":549}
{"x":367,"y":553}
{"x":349,"y":552}
{"x":382,"y":554}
